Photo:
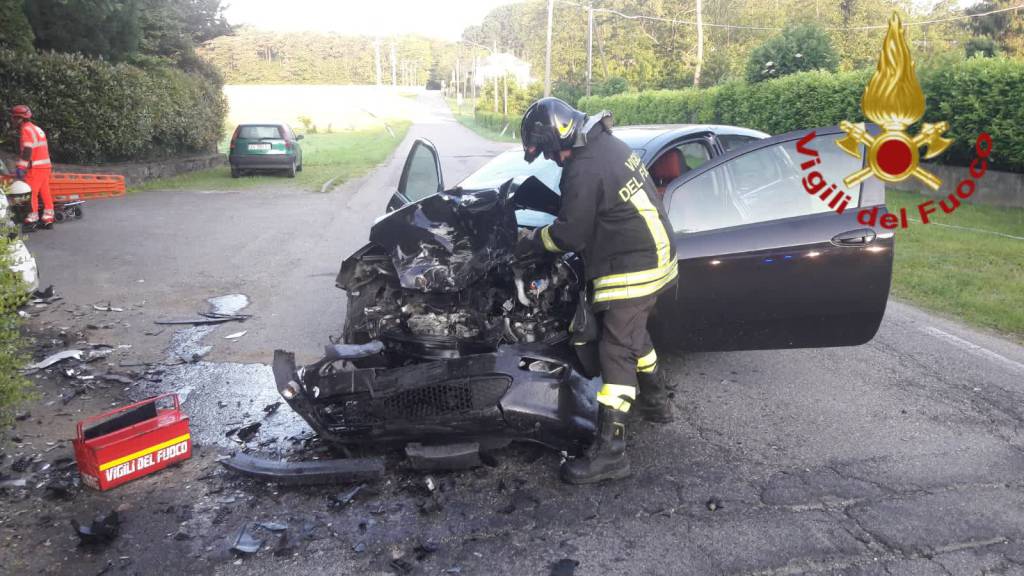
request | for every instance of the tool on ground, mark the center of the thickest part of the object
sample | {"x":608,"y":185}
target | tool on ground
{"x":132,"y":441}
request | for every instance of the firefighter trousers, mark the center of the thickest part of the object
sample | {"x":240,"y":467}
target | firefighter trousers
{"x":625,"y":348}
{"x":39,"y":180}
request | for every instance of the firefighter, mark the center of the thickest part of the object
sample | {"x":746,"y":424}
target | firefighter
{"x":612,"y":217}
{"x":33,"y":163}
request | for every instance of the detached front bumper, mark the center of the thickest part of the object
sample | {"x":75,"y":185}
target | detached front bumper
{"x":522,"y":392}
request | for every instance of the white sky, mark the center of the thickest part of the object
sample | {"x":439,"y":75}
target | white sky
{"x":435,"y":18}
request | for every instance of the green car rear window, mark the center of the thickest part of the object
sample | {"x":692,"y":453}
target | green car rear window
{"x":258,"y":132}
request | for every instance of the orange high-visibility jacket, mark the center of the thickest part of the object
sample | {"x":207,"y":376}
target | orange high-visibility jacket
{"x":34,"y":138}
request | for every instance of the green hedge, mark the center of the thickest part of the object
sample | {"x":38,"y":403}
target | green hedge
{"x":95,"y":111}
{"x":14,"y":388}
{"x":496,"y":121}
{"x":976,"y":95}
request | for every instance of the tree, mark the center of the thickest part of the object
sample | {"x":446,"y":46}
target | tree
{"x":15,"y":33}
{"x":101,"y":28}
{"x":795,"y":49}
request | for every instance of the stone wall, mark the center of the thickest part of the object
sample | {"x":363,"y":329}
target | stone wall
{"x":136,"y":173}
{"x":993,"y":188}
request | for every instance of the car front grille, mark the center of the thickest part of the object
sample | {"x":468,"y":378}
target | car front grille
{"x":419,"y":403}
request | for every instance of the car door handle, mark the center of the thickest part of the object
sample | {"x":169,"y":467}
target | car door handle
{"x":859,"y":237}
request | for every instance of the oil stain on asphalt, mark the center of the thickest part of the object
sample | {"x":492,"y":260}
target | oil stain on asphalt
{"x":223,"y":397}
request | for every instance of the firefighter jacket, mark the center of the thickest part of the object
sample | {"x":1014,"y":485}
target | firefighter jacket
{"x":612,"y":217}
{"x":34,"y":139}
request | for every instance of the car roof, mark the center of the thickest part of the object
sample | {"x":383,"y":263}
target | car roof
{"x":262,"y":124}
{"x":648,"y":136}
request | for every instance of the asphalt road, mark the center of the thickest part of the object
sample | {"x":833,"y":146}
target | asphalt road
{"x":902,"y":456}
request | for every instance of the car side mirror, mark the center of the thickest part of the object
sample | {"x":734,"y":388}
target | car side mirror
{"x":299,"y":137}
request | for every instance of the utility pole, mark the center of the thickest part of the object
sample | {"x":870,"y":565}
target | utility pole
{"x":376,"y":57}
{"x":700,"y":44}
{"x":547,"y":57}
{"x":494,"y":60}
{"x":590,"y":44}
{"x":394,"y":66}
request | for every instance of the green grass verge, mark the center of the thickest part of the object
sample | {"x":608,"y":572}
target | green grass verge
{"x":970,"y":274}
{"x":333,"y":157}
{"x":466,"y":118}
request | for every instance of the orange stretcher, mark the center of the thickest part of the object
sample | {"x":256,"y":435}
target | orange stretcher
{"x":70,"y":187}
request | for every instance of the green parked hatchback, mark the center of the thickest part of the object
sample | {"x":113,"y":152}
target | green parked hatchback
{"x":267,"y":146}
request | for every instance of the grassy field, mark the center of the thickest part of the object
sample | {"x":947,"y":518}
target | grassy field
{"x":332,"y":158}
{"x":465,"y":117}
{"x":969,"y":272}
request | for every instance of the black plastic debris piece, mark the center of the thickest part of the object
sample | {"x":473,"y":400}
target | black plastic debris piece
{"x":271,"y":408}
{"x":45,"y":293}
{"x":58,"y":490}
{"x":181,"y":535}
{"x":207,"y":318}
{"x":310,"y":472}
{"x":273,"y":526}
{"x":345,"y":497}
{"x":713,"y":504}
{"x":461,"y":456}
{"x":22,"y":463}
{"x":245,"y":433}
{"x":425,"y":549}
{"x":401,"y":566}
{"x":245,"y":542}
{"x":102,"y":530}
{"x":22,"y":416}
{"x":284,"y":546}
{"x":564,"y":567}
{"x":119,"y":378}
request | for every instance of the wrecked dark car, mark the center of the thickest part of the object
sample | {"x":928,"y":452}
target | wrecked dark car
{"x":448,"y":340}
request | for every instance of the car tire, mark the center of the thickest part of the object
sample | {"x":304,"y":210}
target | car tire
{"x":235,"y":172}
{"x":299,"y":167}
{"x":292,"y":170}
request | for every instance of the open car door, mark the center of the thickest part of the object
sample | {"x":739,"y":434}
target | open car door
{"x":765,"y":264}
{"x":421,"y":175}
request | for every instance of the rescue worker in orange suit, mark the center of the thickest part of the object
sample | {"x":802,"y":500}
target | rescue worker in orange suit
{"x":611,"y":216}
{"x":33,"y":163}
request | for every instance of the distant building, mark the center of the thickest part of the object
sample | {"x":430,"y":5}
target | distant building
{"x":501,"y":64}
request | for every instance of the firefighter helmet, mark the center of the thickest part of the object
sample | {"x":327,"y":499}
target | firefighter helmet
{"x":549,"y":126}
{"x":21,"y":111}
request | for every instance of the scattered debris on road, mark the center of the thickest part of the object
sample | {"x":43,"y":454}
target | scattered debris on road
{"x":245,"y":542}
{"x":207,"y":318}
{"x":107,"y":308}
{"x":244,"y":433}
{"x":236,"y":335}
{"x":102,"y":530}
{"x":311,"y":472}
{"x":564,"y":567}
{"x":55,"y":358}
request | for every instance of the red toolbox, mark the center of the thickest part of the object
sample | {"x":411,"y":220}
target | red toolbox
{"x":132,"y":441}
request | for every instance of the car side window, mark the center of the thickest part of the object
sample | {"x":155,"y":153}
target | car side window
{"x":733,"y":141}
{"x":761,"y":185}
{"x":676,"y":161}
{"x":422,"y":179}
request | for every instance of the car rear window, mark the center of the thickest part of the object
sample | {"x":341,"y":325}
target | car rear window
{"x":258,"y":132}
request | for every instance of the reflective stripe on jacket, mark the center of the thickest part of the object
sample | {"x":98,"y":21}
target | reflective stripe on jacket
{"x":612,"y":216}
{"x":33,"y":138}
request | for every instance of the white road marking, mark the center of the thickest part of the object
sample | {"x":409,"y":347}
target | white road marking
{"x":974,"y":348}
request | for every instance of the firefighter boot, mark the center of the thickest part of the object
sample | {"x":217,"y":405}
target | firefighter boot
{"x":32,"y":218}
{"x":48,"y":216}
{"x":654,"y":401}
{"x":606,"y":458}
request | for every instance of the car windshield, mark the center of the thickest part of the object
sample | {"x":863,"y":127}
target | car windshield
{"x":258,"y":132}
{"x":509,"y":165}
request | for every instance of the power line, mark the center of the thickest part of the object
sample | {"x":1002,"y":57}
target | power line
{"x":775,"y":28}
